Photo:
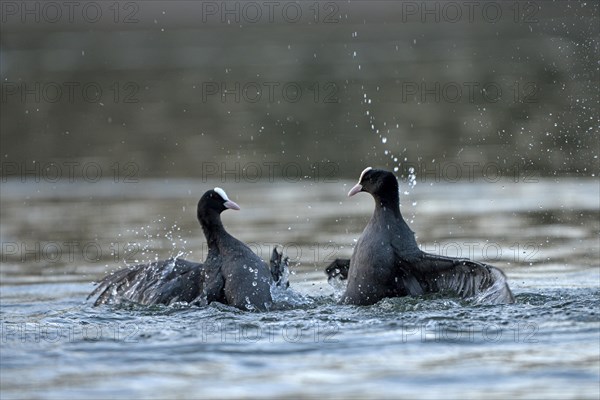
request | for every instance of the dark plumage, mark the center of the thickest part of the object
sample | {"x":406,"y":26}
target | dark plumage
{"x":338,"y":269}
{"x":387,"y":261}
{"x":231,"y":274}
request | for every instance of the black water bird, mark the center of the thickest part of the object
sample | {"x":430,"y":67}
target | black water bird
{"x":387,"y":261}
{"x":231,"y":274}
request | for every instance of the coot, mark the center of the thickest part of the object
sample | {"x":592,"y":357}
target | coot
{"x":231,"y":274}
{"x":387,"y":261}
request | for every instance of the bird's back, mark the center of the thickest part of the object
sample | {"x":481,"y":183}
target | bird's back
{"x":247,"y":278}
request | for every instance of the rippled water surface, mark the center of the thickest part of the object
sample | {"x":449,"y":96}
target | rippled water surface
{"x":56,"y":240}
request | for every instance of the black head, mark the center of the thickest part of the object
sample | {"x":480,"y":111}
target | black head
{"x":215,"y":200}
{"x":381,"y":184}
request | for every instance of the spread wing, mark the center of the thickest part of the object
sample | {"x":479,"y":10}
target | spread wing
{"x":174,"y":280}
{"x":279,"y":267}
{"x":161,"y":282}
{"x":429,"y":273}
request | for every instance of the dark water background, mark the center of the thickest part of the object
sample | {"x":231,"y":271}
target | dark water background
{"x":113,"y":125}
{"x":176,"y":88}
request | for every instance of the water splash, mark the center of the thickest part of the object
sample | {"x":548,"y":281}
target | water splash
{"x":373,"y":124}
{"x":144,"y":250}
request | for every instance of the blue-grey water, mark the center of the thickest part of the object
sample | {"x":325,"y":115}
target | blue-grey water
{"x":455,"y":90}
{"x":59,"y":238}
